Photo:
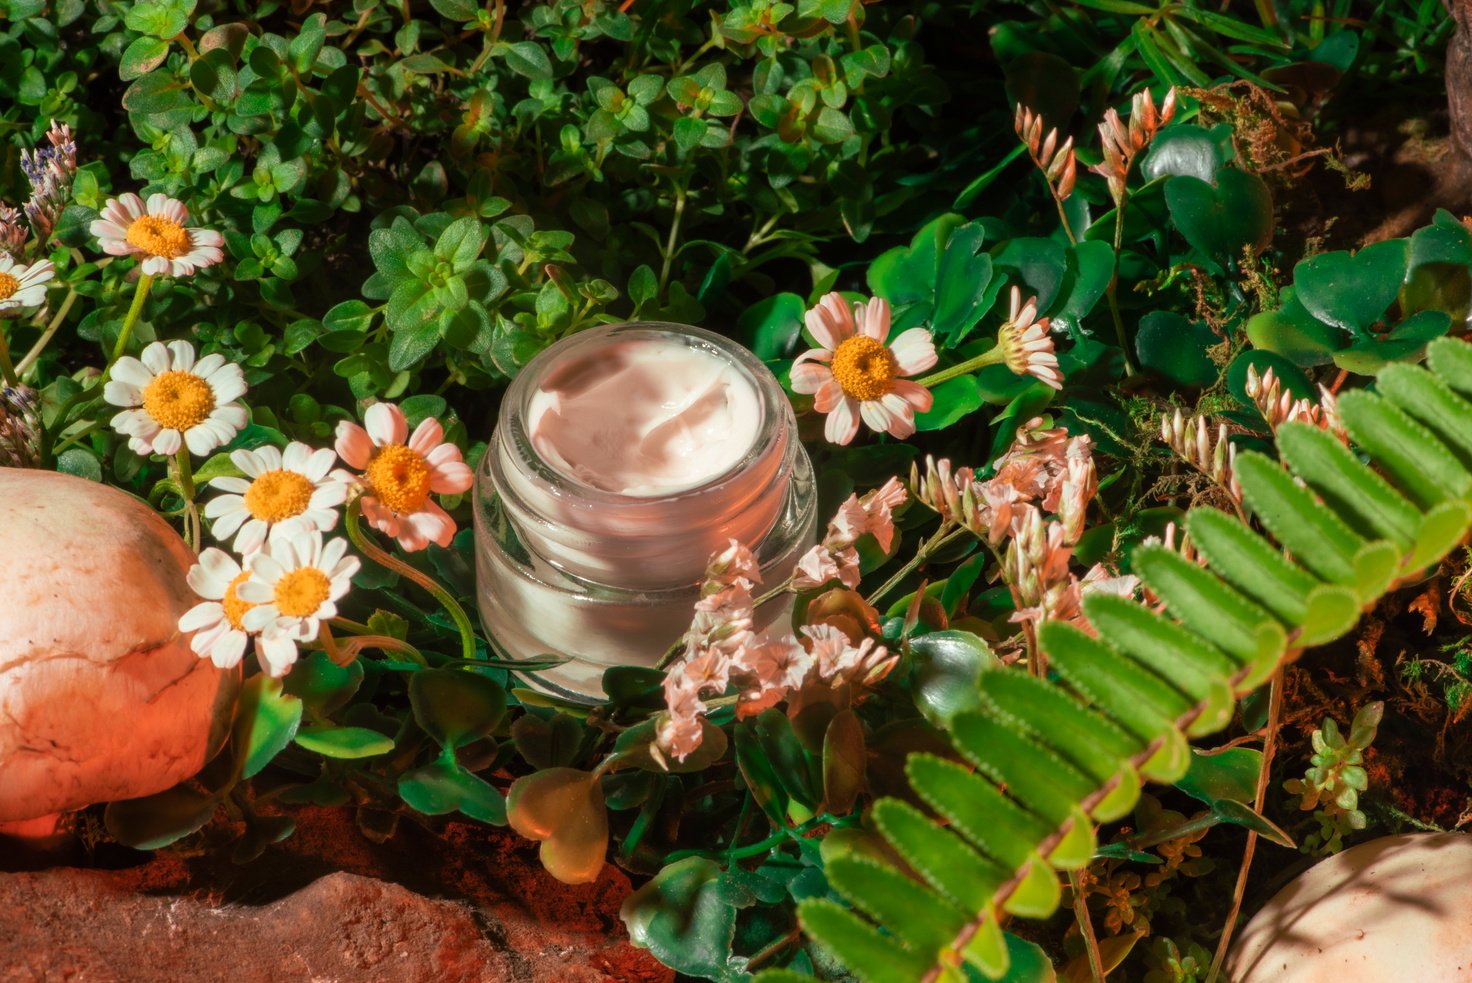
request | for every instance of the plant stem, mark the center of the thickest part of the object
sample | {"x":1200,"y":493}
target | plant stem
{"x":1112,"y":291}
{"x":383,"y":559}
{"x":184,"y":471}
{"x":51,"y":328}
{"x":943,"y":536}
{"x":7,"y":370}
{"x":674,"y":236}
{"x":993,"y":356}
{"x":140,"y":294}
{"x":387,"y":643}
{"x":1086,"y":927}
{"x":1269,"y":745}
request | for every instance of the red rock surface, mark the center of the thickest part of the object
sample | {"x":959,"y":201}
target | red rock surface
{"x":462,"y":903}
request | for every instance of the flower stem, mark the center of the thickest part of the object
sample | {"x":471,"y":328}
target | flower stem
{"x":184,"y":472}
{"x":1112,"y":291}
{"x":993,"y":356}
{"x":383,"y":559}
{"x":140,"y":294}
{"x":46,"y":336}
{"x":944,"y":536}
{"x":386,"y":643}
{"x":7,"y":370}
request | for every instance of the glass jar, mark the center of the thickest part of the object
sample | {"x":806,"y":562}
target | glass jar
{"x":607,"y":578}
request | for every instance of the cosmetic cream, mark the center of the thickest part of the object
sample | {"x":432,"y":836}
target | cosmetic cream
{"x":623,"y":457}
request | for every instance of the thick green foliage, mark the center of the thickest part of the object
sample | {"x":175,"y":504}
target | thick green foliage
{"x":1052,"y":759}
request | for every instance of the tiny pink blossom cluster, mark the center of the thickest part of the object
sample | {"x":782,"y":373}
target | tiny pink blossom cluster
{"x":723,"y":648}
{"x":1037,"y":504}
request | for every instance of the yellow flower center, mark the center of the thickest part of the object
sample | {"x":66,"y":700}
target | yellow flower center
{"x":178,"y":400}
{"x":278,"y":495}
{"x":159,"y":236}
{"x":399,"y":478}
{"x":235,"y":608}
{"x":301,"y":592}
{"x":864,"y":368}
{"x":8,"y":286}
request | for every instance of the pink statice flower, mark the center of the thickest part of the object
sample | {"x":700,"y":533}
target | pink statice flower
{"x":157,"y":233}
{"x":399,"y":471}
{"x":858,"y":373}
{"x":821,"y":565}
{"x":838,"y":660}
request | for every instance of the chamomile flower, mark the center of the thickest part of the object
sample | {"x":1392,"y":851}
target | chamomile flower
{"x":23,"y":286}
{"x":1026,"y":347}
{"x":172,"y":401}
{"x":293,"y":585}
{"x":281,"y":491}
{"x":155,"y":232}
{"x":399,"y":471}
{"x":857,"y":373}
{"x":219,"y":633}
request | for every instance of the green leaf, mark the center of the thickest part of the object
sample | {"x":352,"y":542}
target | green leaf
{"x":1177,"y":348}
{"x":411,"y":345}
{"x":141,"y":57}
{"x":456,"y":707}
{"x":155,"y":821}
{"x":266,"y":720}
{"x":771,"y":327}
{"x":947,"y":665}
{"x":1228,"y":774}
{"x":443,"y":787}
{"x":686,"y":916}
{"x":323,"y":685}
{"x":1291,"y":331}
{"x":345,"y":742}
{"x":81,"y":462}
{"x":1240,"y":814}
{"x":1183,"y":149}
{"x":951,"y":402}
{"x":526,"y":58}
{"x":1352,"y":292}
{"x":564,"y":810}
{"x":1223,"y":219}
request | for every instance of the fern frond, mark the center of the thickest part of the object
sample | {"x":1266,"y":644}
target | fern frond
{"x":1053,"y":759}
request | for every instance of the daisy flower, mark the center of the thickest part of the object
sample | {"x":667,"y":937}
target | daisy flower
{"x":170,"y":400}
{"x":219,"y":633}
{"x":23,"y":286}
{"x":292,"y":585}
{"x":857,"y":374}
{"x":281,"y":491}
{"x":156,"y":233}
{"x":1025,"y":345}
{"x":400,"y":471}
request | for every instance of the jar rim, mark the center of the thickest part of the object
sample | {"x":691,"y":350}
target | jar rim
{"x":513,"y":415}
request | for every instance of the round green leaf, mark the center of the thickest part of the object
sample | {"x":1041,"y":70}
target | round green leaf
{"x":1176,"y":348}
{"x":1352,"y":292}
{"x":155,"y":821}
{"x":1223,"y":219}
{"x":686,"y":916}
{"x":443,"y":787}
{"x":322,"y":684}
{"x":456,"y":707}
{"x":1183,"y":150}
{"x":1294,"y":333}
{"x":947,"y":666}
{"x":141,"y":57}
